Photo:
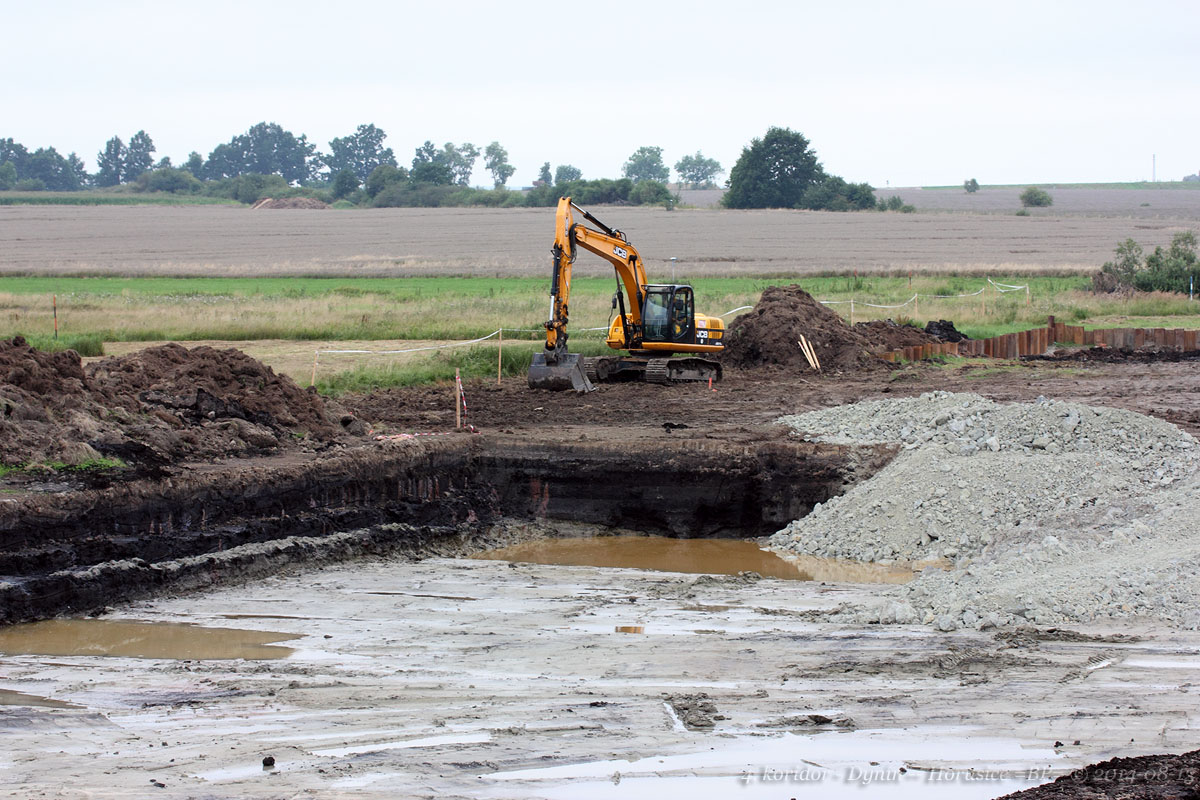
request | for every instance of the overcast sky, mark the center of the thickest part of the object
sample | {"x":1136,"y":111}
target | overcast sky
{"x":900,"y":93}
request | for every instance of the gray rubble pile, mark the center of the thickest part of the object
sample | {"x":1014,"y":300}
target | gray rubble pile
{"x":1046,"y":512}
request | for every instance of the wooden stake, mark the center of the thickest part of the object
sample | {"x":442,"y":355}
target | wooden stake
{"x":1028,"y":297}
{"x":313,"y":381}
{"x":851,"y":310}
{"x":457,"y":400}
{"x":55,"y":316}
{"x":807,"y":357}
{"x":500,"y":357}
{"x":810,"y":354}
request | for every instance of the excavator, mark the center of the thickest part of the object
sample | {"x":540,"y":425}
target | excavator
{"x":661,"y":319}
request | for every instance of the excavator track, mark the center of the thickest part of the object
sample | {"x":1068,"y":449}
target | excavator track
{"x":692,"y":369}
{"x":658,"y":371}
{"x":602,"y":369}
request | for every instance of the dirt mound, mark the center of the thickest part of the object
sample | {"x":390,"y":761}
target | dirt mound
{"x":153,"y":407}
{"x":41,"y":397}
{"x":289,"y":202}
{"x":207,"y":381}
{"x":1142,"y":778}
{"x":944,"y":330}
{"x":888,"y":335}
{"x":768,"y":334}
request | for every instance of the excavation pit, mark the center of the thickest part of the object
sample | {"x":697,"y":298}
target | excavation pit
{"x":80,"y":552}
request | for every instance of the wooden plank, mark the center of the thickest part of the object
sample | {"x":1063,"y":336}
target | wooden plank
{"x":1139,"y":337}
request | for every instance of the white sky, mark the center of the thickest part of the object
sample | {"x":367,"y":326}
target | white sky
{"x":904,"y":92}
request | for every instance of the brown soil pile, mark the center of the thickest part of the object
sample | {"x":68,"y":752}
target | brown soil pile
{"x":888,"y":335}
{"x":153,"y":407}
{"x":1166,"y":777}
{"x":768,"y":334}
{"x":289,"y":202}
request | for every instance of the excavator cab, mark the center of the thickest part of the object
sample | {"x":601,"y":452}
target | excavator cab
{"x":668,"y":314}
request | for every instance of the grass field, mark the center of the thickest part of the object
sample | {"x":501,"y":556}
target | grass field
{"x":108,"y":199}
{"x":232,"y":309}
{"x":284,"y":322}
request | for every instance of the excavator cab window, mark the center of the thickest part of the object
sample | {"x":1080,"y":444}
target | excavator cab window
{"x":668,"y":314}
{"x":656,"y":317}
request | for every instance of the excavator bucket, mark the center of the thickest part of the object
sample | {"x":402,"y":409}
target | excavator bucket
{"x":565,"y":372}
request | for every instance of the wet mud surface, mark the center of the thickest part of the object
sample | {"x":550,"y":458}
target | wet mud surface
{"x":462,"y":678}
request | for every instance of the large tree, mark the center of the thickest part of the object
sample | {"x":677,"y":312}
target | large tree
{"x":496,"y":161}
{"x":773,"y":172}
{"x":697,"y":171}
{"x":461,"y":161}
{"x":78,"y":169}
{"x":13,"y":152}
{"x":646,"y":164}
{"x":429,"y":165}
{"x":565,"y":173}
{"x":361,"y":152}
{"x":139,"y":157}
{"x":111,"y":163}
{"x":47,"y":166}
{"x":195,"y":164}
{"x":265,"y":149}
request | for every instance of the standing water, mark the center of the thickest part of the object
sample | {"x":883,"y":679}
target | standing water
{"x":703,"y":556}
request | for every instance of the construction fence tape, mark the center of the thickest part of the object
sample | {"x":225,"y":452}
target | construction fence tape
{"x":1004,"y":287}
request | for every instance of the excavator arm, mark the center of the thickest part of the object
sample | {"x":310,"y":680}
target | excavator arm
{"x":606,"y":242}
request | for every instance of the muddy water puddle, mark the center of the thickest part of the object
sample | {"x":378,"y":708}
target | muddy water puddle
{"x":703,"y":556}
{"x":99,"y":637}
{"x":11,"y":698}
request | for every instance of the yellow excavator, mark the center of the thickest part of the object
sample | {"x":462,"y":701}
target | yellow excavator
{"x":661,"y":319}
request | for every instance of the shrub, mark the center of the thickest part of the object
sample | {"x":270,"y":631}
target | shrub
{"x":168,"y":179}
{"x":1169,"y":270}
{"x":649,"y":192}
{"x":971,"y":186}
{"x":345,"y":183}
{"x":383,"y":176}
{"x":1033,"y":197}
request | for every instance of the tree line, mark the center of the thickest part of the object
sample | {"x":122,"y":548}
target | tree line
{"x":357,"y":168}
{"x":780,"y":170}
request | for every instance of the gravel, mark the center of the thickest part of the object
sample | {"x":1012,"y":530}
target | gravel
{"x":1047,"y":512}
